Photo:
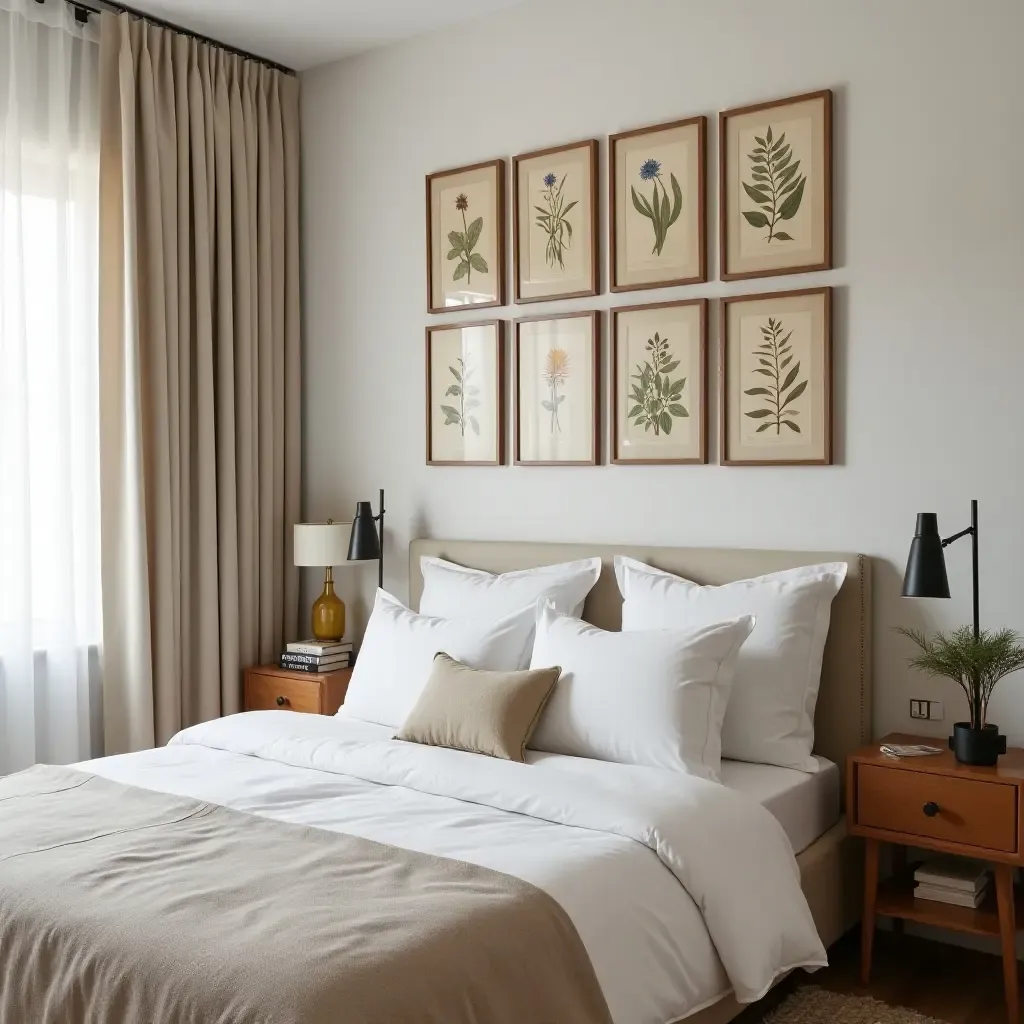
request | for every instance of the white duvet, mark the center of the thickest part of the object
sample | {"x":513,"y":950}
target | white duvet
{"x":680,"y":888}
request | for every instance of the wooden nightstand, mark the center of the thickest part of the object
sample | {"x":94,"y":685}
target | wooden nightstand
{"x":937,"y":804}
{"x":269,"y":688}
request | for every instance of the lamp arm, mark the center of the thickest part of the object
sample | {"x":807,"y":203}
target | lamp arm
{"x":956,"y":536}
{"x":972,"y":532}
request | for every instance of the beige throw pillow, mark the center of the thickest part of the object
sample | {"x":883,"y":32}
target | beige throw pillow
{"x":483,"y":712}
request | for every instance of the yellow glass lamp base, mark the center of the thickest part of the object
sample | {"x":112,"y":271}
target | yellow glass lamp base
{"x":328,"y":612}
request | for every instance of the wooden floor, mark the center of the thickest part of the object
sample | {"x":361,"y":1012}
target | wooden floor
{"x":952,"y":984}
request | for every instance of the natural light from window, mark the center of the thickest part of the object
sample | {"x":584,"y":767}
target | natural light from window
{"x":48,"y":412}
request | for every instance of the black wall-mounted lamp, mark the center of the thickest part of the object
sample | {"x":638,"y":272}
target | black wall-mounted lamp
{"x":926,"y":566}
{"x":365,"y":543}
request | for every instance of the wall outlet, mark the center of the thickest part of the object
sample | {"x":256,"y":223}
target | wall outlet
{"x":930,"y":709}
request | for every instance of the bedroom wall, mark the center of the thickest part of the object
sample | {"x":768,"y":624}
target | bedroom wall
{"x":929,"y":255}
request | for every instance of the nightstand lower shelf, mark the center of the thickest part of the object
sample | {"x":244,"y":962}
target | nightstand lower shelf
{"x":896,"y":899}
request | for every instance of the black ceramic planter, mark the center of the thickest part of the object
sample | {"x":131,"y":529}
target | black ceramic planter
{"x":976,"y":746}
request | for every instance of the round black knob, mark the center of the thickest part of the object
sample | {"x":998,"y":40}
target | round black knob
{"x":931,"y":809}
{"x":281,"y":701}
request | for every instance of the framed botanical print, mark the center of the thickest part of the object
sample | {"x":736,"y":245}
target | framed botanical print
{"x":775,"y":192}
{"x":557,"y":367}
{"x":466,"y":394}
{"x":776,"y":379}
{"x":659,"y":383}
{"x":657,"y":233}
{"x":466,"y":237}
{"x":554,"y":222}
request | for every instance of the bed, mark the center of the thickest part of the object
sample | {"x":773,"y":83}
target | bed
{"x":830,"y":865}
{"x":657,"y":950}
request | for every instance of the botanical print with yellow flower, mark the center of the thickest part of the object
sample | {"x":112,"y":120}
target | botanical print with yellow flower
{"x":555,"y":374}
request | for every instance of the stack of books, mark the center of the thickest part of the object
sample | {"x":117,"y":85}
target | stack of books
{"x":314,"y":656}
{"x":960,"y":882}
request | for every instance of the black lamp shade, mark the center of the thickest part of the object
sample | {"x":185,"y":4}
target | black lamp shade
{"x":364,"y":544}
{"x":926,"y":566}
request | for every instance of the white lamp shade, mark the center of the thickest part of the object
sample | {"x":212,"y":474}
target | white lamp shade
{"x":321,"y":543}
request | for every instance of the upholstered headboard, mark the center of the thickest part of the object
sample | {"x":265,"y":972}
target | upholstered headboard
{"x":843,"y":719}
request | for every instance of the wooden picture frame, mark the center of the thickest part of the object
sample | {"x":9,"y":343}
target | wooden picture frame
{"x":764,"y":324}
{"x":750,"y":197}
{"x":563,"y":390}
{"x":680,"y":149}
{"x":682,"y":346}
{"x":450,"y":195}
{"x":544,"y":186}
{"x":489,"y":374}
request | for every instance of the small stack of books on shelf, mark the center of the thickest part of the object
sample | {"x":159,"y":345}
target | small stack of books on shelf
{"x":314,"y":656}
{"x":958,"y":881}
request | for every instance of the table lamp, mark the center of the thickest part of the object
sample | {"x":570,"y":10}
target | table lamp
{"x":324,"y":544}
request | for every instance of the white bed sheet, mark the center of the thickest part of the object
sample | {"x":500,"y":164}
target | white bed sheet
{"x":805,"y":804}
{"x":645,"y":936}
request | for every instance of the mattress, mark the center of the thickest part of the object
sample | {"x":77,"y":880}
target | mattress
{"x":805,"y":804}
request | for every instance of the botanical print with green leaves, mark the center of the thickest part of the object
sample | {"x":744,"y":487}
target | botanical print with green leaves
{"x":658,"y":210}
{"x":775,"y":185}
{"x":464,"y":242}
{"x":775,"y":354}
{"x":552,"y":219}
{"x":468,"y":395}
{"x":655,"y":397}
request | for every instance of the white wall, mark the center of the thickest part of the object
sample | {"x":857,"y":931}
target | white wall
{"x":929,"y":278}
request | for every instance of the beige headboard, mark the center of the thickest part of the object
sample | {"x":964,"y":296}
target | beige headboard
{"x":843,"y":719}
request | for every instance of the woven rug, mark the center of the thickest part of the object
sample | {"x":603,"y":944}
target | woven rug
{"x":812,"y":1005}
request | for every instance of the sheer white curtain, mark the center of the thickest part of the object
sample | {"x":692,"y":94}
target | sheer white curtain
{"x":49,"y":437}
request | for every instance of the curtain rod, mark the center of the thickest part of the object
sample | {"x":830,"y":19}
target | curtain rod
{"x":119,"y":8}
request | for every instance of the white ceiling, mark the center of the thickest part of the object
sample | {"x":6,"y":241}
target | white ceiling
{"x":303,"y":33}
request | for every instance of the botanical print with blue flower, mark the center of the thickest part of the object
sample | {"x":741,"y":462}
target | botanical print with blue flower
{"x":554,"y":203}
{"x":657,"y":202}
{"x":552,"y":218}
{"x":657,"y":208}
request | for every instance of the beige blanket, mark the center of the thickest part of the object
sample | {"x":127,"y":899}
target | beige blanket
{"x":123,"y":906}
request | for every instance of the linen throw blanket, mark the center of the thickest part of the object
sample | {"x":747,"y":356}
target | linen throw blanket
{"x":119,"y":906}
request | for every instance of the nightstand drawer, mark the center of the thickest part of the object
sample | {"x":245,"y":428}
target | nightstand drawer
{"x":977,"y":814}
{"x":273,"y":693}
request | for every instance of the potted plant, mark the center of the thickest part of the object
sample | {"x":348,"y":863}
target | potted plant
{"x":977,"y":661}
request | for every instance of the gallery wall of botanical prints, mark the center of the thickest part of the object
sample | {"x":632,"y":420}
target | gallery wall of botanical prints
{"x":927,"y":308}
{"x":774,"y":373}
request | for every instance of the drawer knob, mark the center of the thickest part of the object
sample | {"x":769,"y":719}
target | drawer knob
{"x":931,"y":809}
{"x":281,"y":701}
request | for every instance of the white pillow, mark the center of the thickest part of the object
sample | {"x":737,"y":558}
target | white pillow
{"x":655,"y":698}
{"x":452,"y":591}
{"x":398,"y":650}
{"x":770,"y":718}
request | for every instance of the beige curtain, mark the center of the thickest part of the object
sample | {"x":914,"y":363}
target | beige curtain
{"x":199,"y":375}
